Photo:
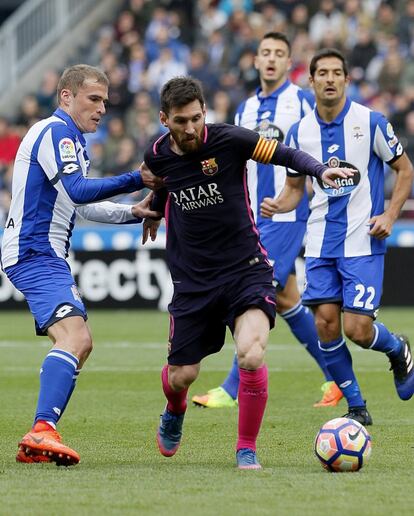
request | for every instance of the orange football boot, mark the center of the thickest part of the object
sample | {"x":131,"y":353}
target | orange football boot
{"x":332,"y":395}
{"x":44,"y":444}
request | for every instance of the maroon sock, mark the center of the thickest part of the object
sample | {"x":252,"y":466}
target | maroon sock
{"x":177,"y":401}
{"x":252,"y":403}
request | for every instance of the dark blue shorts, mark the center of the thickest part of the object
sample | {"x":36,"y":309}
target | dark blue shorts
{"x":355,"y":282}
{"x":49,"y":289}
{"x":198,"y":320}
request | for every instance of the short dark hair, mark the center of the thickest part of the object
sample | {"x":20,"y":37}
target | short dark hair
{"x":73,"y":78}
{"x":180,"y":91}
{"x":278,"y":36}
{"x":327,"y":52}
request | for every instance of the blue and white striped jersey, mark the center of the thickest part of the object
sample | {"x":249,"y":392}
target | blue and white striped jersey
{"x":50,"y":186}
{"x":361,"y":139}
{"x":272,"y":117}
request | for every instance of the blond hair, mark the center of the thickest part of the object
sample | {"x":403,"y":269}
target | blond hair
{"x":74,"y":77}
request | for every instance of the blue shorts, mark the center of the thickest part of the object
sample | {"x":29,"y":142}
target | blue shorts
{"x":198,"y":320}
{"x":355,"y":283}
{"x":283,"y":242}
{"x":49,"y":288}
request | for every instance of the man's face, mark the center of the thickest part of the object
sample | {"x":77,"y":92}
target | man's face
{"x":88,"y":106}
{"x":272,"y":60}
{"x":186,"y":125}
{"x":329,"y":81}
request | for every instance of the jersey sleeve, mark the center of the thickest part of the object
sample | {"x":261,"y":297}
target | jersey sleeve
{"x":386,"y":144}
{"x":108,"y":212}
{"x":58,"y":158}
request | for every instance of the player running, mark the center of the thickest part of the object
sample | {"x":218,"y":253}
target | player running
{"x":348,"y":226}
{"x":271,"y":111}
{"x":220,"y":270}
{"x":49,"y":188}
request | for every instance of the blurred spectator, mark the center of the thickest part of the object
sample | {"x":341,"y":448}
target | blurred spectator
{"x":136,"y":67}
{"x":119,"y":95}
{"x":362,"y":53}
{"x":248,"y":75}
{"x":299,"y":21}
{"x":96,"y":152}
{"x":385,"y":24}
{"x":221,"y":110}
{"x":327,"y":20}
{"x":125,"y":158}
{"x":218,"y":52}
{"x":354,"y":19}
{"x":389,"y":77}
{"x":46,"y":97}
{"x":163,"y":69}
{"x":104,"y":44}
{"x":142,"y":104}
{"x":29,"y":112}
{"x":406,"y":26}
{"x":144,"y":130}
{"x":268,"y":19}
{"x":116,"y":132}
{"x":229,"y":6}
{"x":200,"y":70}
{"x":124,"y":24}
{"x":9,"y":143}
{"x":141,"y":11}
{"x":210,"y":18}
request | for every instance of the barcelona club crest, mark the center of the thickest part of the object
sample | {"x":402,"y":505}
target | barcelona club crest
{"x":209,"y":166}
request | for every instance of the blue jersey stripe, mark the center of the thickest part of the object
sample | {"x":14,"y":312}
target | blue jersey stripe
{"x":336,"y":219}
{"x":38,"y":188}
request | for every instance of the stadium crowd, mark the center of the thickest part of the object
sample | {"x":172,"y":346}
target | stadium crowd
{"x":215,"y":41}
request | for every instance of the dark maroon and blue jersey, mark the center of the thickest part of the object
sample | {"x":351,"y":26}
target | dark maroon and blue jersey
{"x":211,"y":235}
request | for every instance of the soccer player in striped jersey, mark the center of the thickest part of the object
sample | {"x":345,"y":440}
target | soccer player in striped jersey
{"x":276,"y":105}
{"x":219,"y":269}
{"x":49,"y":188}
{"x":348,"y":226}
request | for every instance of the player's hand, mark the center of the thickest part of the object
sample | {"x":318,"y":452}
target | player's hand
{"x":330,"y":174}
{"x":381,"y":226}
{"x":150,"y":229}
{"x":149,"y":179}
{"x":268,"y":207}
{"x":142,"y":209}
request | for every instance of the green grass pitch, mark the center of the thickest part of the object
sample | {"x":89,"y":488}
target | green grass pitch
{"x":112,"y":419}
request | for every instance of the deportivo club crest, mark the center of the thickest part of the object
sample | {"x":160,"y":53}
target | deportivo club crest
{"x":209,"y":166}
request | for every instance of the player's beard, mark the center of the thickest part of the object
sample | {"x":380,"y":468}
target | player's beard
{"x":188,"y":144}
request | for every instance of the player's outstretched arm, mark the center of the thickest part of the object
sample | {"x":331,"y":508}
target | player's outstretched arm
{"x":288,"y":199}
{"x":381,"y":225}
{"x":304,"y":163}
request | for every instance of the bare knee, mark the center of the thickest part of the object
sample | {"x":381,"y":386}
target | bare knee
{"x":359,"y":328}
{"x":361,"y":333}
{"x":72,"y":335}
{"x":251,"y":356}
{"x":181,"y":377}
{"x":328,"y":328}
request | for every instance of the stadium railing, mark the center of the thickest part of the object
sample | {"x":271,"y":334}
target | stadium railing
{"x":33,"y":31}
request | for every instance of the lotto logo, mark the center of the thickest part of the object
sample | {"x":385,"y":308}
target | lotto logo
{"x":63,"y":311}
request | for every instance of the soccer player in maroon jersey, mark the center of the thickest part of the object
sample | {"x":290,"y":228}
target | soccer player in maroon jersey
{"x":219,"y":268}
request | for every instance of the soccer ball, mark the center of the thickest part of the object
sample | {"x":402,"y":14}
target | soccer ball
{"x":343,"y":444}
